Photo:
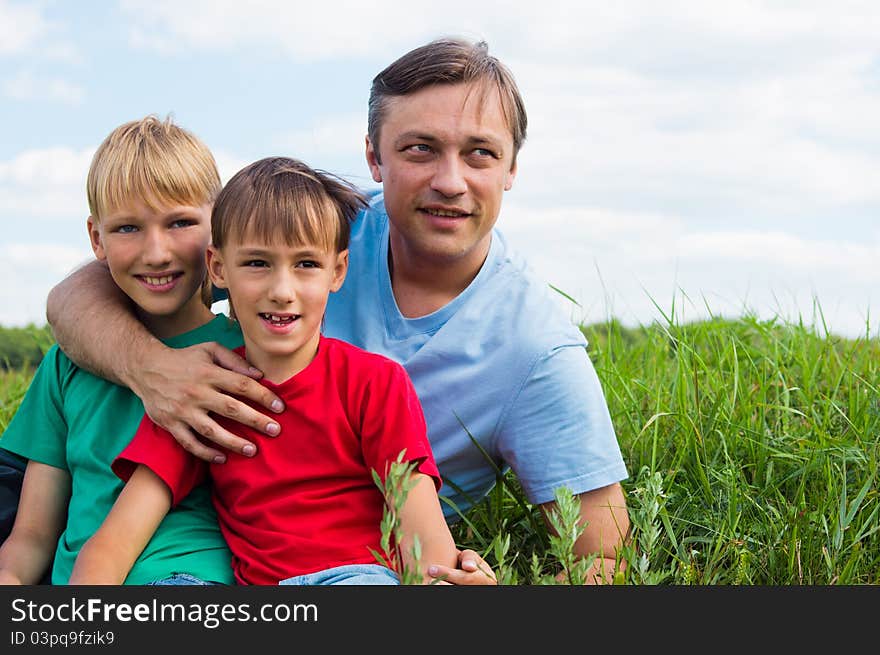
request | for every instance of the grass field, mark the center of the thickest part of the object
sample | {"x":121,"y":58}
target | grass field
{"x":752,"y":448}
{"x":753,"y":452}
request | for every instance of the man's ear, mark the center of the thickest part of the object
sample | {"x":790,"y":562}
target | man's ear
{"x":216,"y":267}
{"x":373,"y":160}
{"x":95,"y":238}
{"x":339,"y":271}
{"x":508,"y":183}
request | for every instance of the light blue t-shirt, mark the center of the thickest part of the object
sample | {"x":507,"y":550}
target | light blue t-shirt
{"x":503,"y":375}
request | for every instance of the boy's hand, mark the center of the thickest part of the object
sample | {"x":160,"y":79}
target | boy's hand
{"x":182,"y":388}
{"x":472,"y":570}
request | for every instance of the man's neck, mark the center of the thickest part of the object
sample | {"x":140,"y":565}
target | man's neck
{"x":422,"y":287}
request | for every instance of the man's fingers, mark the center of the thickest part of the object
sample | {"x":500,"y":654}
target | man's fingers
{"x":249,"y":388}
{"x":232,"y":361}
{"x":184,"y":436}
{"x":209,"y":429}
{"x":235,"y":409}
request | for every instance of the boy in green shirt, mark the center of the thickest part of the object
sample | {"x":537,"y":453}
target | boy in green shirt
{"x":151,"y":186}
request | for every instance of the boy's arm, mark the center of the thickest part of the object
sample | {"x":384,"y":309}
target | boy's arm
{"x":109,"y":554}
{"x":604,"y":513}
{"x":421,"y":515}
{"x":180,"y":388}
{"x":40,"y":520}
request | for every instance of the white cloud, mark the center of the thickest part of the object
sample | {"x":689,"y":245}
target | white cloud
{"x":45,"y":183}
{"x":25,"y":86}
{"x":21,"y":26}
{"x":228,"y":164}
{"x":329,"y":136}
{"x":615,"y":263}
{"x":303,"y":31}
{"x":36,"y":268}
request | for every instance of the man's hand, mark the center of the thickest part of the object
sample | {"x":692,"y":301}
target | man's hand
{"x":606,"y":519}
{"x":181,"y":388}
{"x":472,"y":570}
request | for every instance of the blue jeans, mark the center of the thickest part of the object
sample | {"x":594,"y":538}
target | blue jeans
{"x":178,"y":579}
{"x":350,"y":574}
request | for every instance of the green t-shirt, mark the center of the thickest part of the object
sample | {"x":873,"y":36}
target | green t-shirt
{"x":79,"y":422}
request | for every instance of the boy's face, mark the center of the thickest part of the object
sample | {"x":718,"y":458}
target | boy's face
{"x":157,"y":257}
{"x":279,"y":293}
{"x":447,"y":159}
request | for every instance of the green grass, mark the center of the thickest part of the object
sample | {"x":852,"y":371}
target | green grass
{"x":753,"y":451}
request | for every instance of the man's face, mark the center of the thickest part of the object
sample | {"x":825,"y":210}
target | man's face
{"x":447,"y":159}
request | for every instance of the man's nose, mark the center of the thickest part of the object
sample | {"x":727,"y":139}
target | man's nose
{"x":449,"y":176}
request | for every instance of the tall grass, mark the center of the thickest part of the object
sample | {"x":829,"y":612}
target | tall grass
{"x":753,"y":451}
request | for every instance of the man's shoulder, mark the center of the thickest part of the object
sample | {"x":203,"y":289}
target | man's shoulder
{"x":525,"y":307}
{"x":372,"y":217}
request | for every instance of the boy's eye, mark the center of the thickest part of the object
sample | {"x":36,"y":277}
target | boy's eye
{"x":126,"y":229}
{"x":309,"y":263}
{"x":255,"y":263}
{"x":183,"y":222}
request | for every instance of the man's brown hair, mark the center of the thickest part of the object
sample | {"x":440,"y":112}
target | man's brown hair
{"x":447,"y":61}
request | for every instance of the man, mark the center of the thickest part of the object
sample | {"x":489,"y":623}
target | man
{"x":503,"y":376}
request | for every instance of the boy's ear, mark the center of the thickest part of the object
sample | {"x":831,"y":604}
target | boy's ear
{"x":216,"y":268}
{"x":95,"y":238}
{"x":339,"y":270}
{"x":373,"y":160}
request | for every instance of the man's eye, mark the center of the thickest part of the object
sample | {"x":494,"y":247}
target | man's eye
{"x":483,"y":152}
{"x":418,"y":148}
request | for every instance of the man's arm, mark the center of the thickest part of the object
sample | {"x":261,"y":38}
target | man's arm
{"x":94,"y":324}
{"x":604,"y":514}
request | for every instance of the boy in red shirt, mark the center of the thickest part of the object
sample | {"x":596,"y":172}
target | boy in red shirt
{"x":305,"y":509}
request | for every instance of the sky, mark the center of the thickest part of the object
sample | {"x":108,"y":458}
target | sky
{"x":683,"y":159}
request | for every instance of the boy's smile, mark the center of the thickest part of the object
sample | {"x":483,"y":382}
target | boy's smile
{"x":156,"y":256}
{"x":278,"y":293}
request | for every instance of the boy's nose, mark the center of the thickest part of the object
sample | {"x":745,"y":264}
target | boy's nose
{"x":156,"y":249}
{"x":282,"y":290}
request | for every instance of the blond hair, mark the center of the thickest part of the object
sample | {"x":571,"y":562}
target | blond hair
{"x":153,"y":161}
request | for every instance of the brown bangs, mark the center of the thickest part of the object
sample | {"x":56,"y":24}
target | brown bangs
{"x":281,"y":200}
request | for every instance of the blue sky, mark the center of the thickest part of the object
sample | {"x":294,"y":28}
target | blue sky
{"x":724,"y":156}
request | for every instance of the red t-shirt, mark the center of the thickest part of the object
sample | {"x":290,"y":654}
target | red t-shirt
{"x":307,"y":500}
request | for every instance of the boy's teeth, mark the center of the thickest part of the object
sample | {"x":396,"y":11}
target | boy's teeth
{"x":158,"y":281}
{"x":278,"y":319}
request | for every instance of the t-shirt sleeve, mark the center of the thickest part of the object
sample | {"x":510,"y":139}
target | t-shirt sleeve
{"x":392,"y":420}
{"x":558,"y":431}
{"x":38,"y":431}
{"x":156,"y":448}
